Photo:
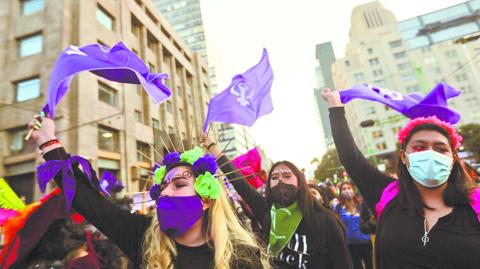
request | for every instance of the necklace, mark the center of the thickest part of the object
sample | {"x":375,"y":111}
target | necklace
{"x":425,"y":238}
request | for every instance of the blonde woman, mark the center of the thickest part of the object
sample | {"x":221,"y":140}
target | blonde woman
{"x":194,"y":227}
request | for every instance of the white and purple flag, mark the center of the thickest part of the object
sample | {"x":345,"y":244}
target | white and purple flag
{"x":246,"y":98}
{"x":412,"y":105}
{"x":117,"y":64}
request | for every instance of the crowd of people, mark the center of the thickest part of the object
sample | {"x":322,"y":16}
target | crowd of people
{"x":427,"y":216}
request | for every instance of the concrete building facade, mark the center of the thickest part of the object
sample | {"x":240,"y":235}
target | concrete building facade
{"x":392,"y":55}
{"x":116,"y":126}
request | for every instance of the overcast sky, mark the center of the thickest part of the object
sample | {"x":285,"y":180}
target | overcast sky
{"x":236,"y":32}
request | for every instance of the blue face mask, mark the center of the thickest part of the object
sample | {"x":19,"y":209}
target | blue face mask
{"x":429,"y":168}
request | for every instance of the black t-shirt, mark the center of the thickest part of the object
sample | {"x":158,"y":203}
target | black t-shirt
{"x":333,"y":251}
{"x":454,"y":239}
{"x":194,"y":257}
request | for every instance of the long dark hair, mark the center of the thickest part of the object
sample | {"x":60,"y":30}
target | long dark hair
{"x":355,"y":199}
{"x":460,"y":183}
{"x":306,"y":203}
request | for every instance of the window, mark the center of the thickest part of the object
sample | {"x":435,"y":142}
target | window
{"x":467,"y":89}
{"x":27,"y":89}
{"x":181,"y":114}
{"x":107,"y":94}
{"x":104,"y":18}
{"x":370,"y":51}
{"x":108,"y":139}
{"x":395,"y":44}
{"x":179,"y":91}
{"x":377,"y":134}
{"x":136,"y":25}
{"x":169,"y":107}
{"x":30,"y":45}
{"x":461,"y":77}
{"x":413,"y":88}
{"x":143,"y":152}
{"x":436,"y":70}
{"x":152,"y":42}
{"x":32,"y":6}
{"x":359,"y":77}
{"x":138,"y":116}
{"x":408,"y":77}
{"x":170,"y":130}
{"x":377,"y":73}
{"x":347,"y":63}
{"x":155,"y":124}
{"x":151,"y":67}
{"x":381,"y":146}
{"x":430,"y":60}
{"x":17,"y":141}
{"x":400,"y":55}
{"x":374,"y":61}
{"x":451,"y":54}
{"x":403,"y":66}
{"x":456,"y":65}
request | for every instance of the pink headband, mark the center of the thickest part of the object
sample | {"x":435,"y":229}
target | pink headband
{"x":454,"y":136}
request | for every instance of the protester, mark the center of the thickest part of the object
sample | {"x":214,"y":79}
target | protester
{"x":428,"y":218}
{"x":300,"y":232}
{"x":194,"y":227}
{"x":350,"y":210}
{"x":320,"y":195}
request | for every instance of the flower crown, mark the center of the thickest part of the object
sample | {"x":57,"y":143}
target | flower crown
{"x":204,"y":169}
{"x":454,"y":136}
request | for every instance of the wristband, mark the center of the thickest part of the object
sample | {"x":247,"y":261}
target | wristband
{"x":49,"y":143}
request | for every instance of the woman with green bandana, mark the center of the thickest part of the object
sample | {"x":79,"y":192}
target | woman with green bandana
{"x":300,"y":232}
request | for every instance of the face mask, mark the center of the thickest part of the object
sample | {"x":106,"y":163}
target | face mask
{"x":429,"y":168}
{"x":283,"y":194}
{"x":347,"y":194}
{"x":177,"y":214}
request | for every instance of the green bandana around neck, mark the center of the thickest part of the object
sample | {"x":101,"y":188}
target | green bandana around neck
{"x":285,"y":222}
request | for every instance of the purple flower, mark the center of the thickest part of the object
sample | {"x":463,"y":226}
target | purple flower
{"x":155,"y":191}
{"x":171,"y":159}
{"x":204,"y":164}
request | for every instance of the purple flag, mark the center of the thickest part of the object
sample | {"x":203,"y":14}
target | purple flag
{"x":109,"y":183}
{"x":411,"y":105}
{"x":246,"y":99}
{"x":117,"y":64}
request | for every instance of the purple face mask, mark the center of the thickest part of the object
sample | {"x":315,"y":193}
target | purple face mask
{"x":176,"y":214}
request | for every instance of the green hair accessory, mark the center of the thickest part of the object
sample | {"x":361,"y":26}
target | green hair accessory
{"x":160,"y":174}
{"x":8,"y":198}
{"x":192,"y":155}
{"x":207,"y":186}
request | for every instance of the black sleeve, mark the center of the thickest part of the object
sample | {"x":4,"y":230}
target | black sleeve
{"x":338,"y":253}
{"x":122,"y":227}
{"x":254,"y":200}
{"x":370,"y":181}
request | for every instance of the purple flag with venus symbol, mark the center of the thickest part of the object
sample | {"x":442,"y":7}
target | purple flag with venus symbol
{"x":246,"y":98}
{"x":412,"y":105}
{"x":117,"y":64}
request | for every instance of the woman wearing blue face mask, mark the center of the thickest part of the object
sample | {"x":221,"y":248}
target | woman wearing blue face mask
{"x":429,"y":217}
{"x":194,"y":225}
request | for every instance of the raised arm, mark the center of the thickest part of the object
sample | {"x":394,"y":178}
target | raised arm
{"x":370,"y":181}
{"x":249,"y":194}
{"x":122,"y":227}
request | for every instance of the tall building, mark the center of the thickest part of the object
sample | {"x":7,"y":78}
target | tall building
{"x":323,"y":78}
{"x":408,"y":56}
{"x":186,"y":18}
{"x":116,"y":126}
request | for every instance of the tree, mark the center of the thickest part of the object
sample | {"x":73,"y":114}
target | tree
{"x":471,"y":139}
{"x":329,"y":166}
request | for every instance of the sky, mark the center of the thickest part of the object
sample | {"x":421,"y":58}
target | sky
{"x":236,"y":31}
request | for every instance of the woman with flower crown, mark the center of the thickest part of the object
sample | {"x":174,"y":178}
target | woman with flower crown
{"x":195,"y":227}
{"x":429,"y":217}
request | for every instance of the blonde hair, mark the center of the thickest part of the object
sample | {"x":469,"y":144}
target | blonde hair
{"x":224,"y":230}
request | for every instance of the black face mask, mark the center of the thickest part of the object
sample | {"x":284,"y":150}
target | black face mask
{"x":283,"y":194}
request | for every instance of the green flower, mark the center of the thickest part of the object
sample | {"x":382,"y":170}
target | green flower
{"x":159,"y":174}
{"x":192,"y":155}
{"x":207,"y":186}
